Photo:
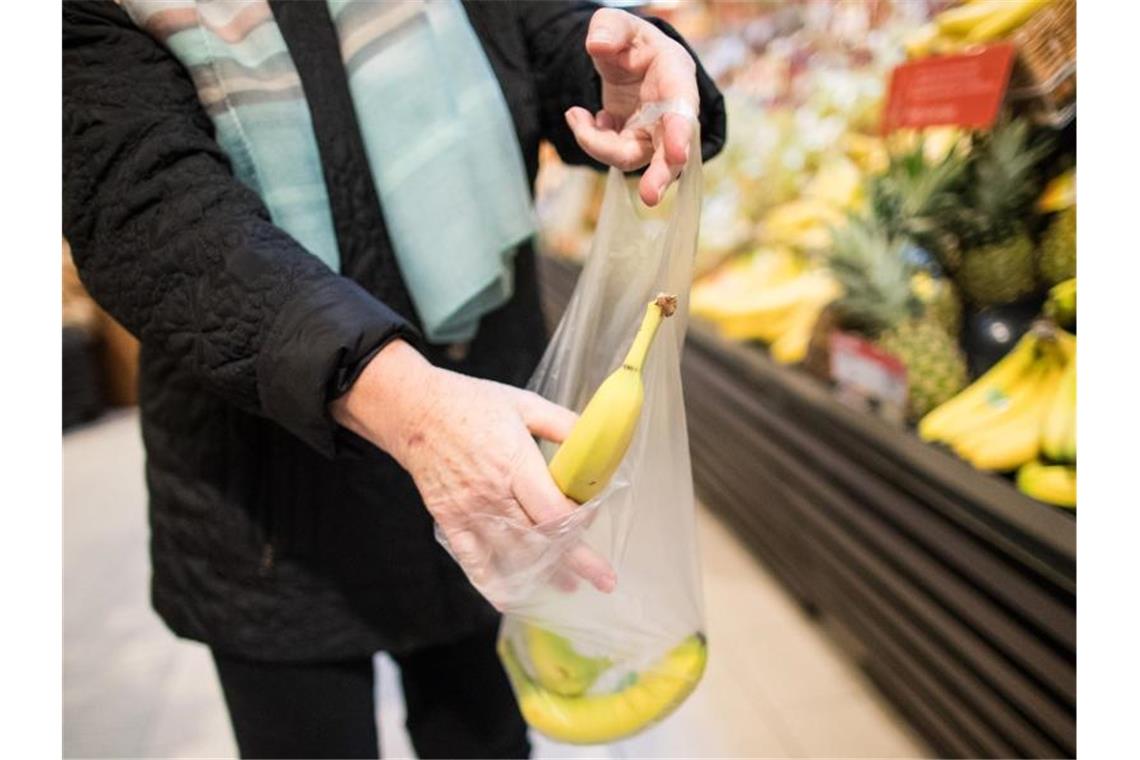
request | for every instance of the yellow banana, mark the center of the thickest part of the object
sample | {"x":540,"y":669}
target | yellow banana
{"x":803,"y":223}
{"x":960,"y":20}
{"x":1014,"y":13}
{"x":1009,"y":440}
{"x":557,"y":666}
{"x":1051,"y":483}
{"x":792,"y":346}
{"x":1005,"y":404}
{"x":1066,"y":343}
{"x":752,"y":296}
{"x":869,"y":153}
{"x":800,"y":214}
{"x":766,"y":327}
{"x":606,"y":717}
{"x":769,"y":314}
{"x":742,"y":278}
{"x":1059,"y":194}
{"x":1006,"y":447}
{"x":1057,"y":432}
{"x":1069,"y":446}
{"x":838,"y":183}
{"x":590,"y":455}
{"x":990,"y":391}
{"x":919,"y":43}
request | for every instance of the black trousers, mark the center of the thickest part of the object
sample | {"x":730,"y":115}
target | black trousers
{"x":459,"y":705}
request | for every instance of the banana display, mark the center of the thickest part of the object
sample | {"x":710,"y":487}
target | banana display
{"x":644,"y":698}
{"x":971,"y":23}
{"x":804,"y":223}
{"x":590,"y":455}
{"x":771,"y":296}
{"x":1059,"y":430}
{"x":1051,"y":483}
{"x":1022,"y":409}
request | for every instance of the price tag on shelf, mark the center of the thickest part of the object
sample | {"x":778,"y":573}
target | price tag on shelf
{"x":868,"y":377}
{"x":964,"y":90}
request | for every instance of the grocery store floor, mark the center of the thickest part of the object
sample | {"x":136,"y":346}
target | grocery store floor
{"x":775,"y":686}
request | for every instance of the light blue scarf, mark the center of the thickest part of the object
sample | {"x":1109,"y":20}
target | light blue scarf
{"x":439,"y":138}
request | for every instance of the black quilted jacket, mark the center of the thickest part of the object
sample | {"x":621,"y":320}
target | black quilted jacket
{"x":275,"y":534}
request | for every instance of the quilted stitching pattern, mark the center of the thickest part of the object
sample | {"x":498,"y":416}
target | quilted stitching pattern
{"x":274,"y":534}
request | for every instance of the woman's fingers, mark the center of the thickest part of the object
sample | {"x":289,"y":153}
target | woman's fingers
{"x":588,"y":564}
{"x":678,"y":137}
{"x":542,"y":501}
{"x":535,"y":490}
{"x":471,"y":554}
{"x":609,"y":41}
{"x":564,"y":580}
{"x":626,"y":150}
{"x":673,"y":139}
{"x":656,"y":178}
{"x":629,"y":150}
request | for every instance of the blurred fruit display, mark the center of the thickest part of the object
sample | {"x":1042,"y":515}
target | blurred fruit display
{"x":943,"y":246}
{"x":840,"y":264}
{"x":879,"y":302}
{"x":1017,"y":411}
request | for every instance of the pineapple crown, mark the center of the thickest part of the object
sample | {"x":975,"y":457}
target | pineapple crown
{"x":915,"y":196}
{"x":875,"y":273}
{"x":967,"y":198}
{"x":913,"y":190}
{"x":1002,"y":185}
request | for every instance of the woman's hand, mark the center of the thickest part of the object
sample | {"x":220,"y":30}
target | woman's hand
{"x":468,"y":445}
{"x":638,"y":64}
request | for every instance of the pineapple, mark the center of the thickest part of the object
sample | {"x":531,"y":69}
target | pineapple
{"x":941,"y":299}
{"x":935,"y":365}
{"x":917,"y":193}
{"x":879,"y":303}
{"x":984,"y":240}
{"x":1057,"y":260}
{"x":937,"y":294}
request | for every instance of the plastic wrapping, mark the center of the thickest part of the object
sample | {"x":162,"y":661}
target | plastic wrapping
{"x":589,"y":666}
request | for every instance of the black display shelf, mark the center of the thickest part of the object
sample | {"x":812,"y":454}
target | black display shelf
{"x":955,"y":592}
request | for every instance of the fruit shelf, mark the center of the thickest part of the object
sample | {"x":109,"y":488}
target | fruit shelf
{"x":953,"y":591}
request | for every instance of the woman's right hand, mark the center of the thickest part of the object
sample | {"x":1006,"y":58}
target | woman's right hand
{"x":469,"y":446}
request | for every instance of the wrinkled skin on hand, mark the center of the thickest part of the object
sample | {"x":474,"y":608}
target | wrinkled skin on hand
{"x":638,"y":64}
{"x":469,"y":446}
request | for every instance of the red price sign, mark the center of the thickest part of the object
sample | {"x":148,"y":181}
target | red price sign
{"x":867,"y":376}
{"x":963,"y":90}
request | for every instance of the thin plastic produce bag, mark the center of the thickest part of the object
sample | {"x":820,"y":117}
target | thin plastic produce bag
{"x":588,"y":666}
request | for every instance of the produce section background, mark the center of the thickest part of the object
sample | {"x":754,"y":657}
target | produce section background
{"x":876,"y":587}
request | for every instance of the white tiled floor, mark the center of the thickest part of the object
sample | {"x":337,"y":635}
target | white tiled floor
{"x":775,"y":685}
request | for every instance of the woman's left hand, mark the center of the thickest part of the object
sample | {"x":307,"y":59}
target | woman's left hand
{"x":638,"y":64}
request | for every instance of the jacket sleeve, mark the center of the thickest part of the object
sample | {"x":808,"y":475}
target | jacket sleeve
{"x":556,"y":39}
{"x":183,"y":254}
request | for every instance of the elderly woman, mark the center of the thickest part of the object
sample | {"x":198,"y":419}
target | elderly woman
{"x":316,"y":217}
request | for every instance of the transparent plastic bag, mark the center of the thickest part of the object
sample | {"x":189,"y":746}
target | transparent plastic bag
{"x":587,"y":666}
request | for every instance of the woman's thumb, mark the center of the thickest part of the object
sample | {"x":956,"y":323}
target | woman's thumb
{"x":611,"y":31}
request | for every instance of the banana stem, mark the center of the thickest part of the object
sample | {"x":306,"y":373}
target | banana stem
{"x":662,"y":306}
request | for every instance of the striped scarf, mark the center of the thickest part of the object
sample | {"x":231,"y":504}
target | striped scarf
{"x":440,"y":142}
